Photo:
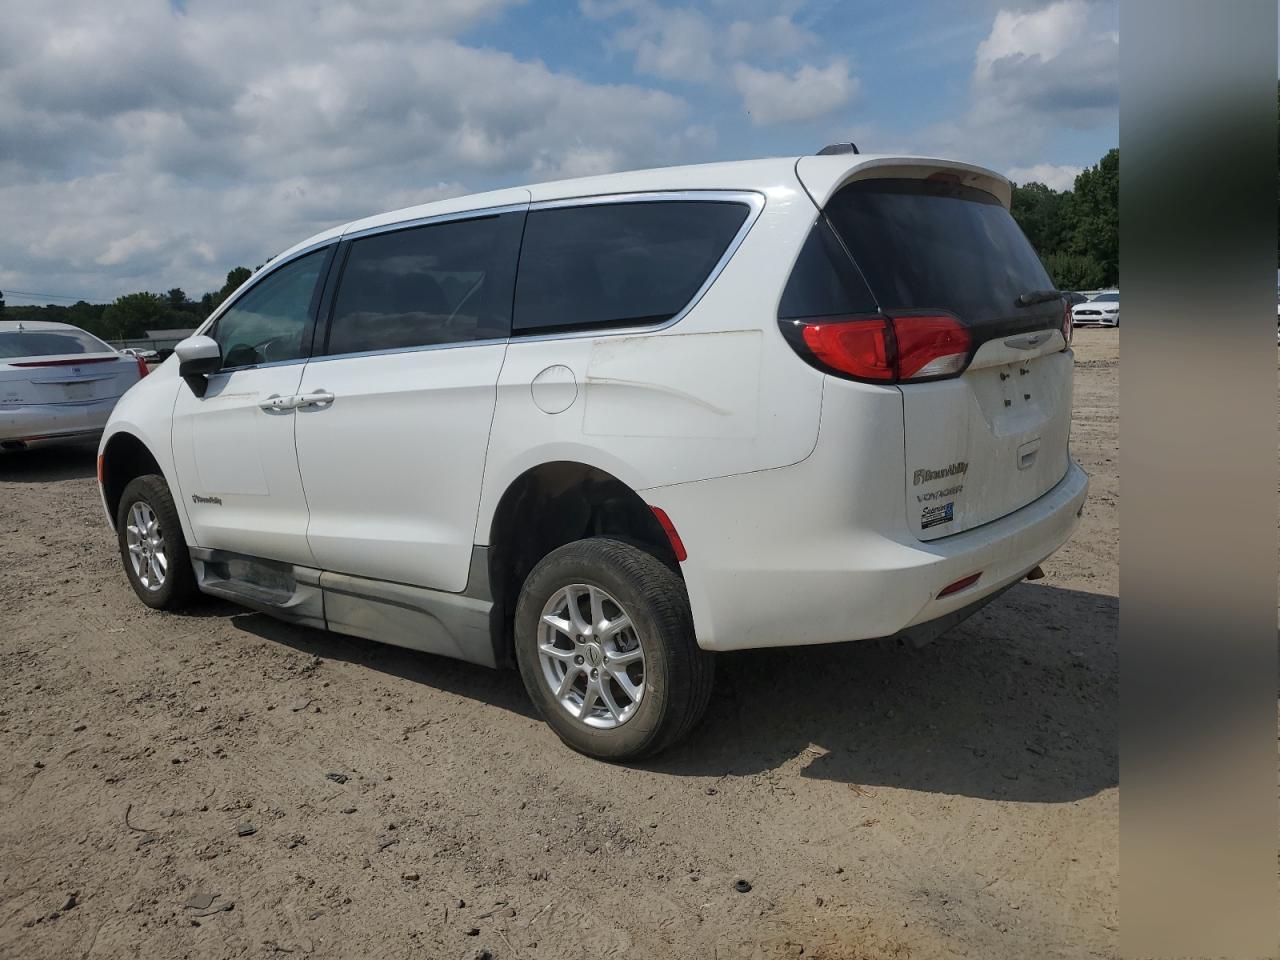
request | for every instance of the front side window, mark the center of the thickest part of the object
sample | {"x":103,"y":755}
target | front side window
{"x":437,"y":284}
{"x":272,"y":321}
{"x":619,"y":264}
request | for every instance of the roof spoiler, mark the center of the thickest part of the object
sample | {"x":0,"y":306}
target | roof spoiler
{"x":822,"y":176}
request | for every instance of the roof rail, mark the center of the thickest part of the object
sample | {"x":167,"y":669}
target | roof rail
{"x":833,"y":149}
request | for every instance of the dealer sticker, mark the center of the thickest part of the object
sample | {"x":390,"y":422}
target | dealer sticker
{"x":935,"y":516}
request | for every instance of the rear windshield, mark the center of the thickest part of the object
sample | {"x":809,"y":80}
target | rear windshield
{"x":929,"y":244}
{"x":48,"y":343}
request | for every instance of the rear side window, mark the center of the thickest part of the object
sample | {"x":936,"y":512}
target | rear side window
{"x":48,"y":343}
{"x":824,"y":282}
{"x":619,"y":264}
{"x":272,"y":321}
{"x":442,"y":283}
{"x":933,"y":244}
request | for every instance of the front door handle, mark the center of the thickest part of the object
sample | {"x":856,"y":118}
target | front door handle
{"x":275,"y":402}
{"x":319,"y":398}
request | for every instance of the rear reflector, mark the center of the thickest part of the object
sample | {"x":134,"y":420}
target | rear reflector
{"x":889,"y":349}
{"x":143,"y":369}
{"x":99,"y":469}
{"x":669,"y":528}
{"x":63,"y":363}
{"x":959,"y":585}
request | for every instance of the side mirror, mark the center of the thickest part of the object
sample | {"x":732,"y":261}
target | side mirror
{"x":197,"y":358}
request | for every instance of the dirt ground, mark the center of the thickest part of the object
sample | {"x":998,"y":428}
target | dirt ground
{"x":959,"y":800}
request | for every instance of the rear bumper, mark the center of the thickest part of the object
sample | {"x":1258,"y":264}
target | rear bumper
{"x":819,"y":552}
{"x":55,"y":420}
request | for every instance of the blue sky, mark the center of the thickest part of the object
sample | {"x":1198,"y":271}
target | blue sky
{"x":152,"y":144}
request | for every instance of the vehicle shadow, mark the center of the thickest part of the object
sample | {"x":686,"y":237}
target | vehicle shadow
{"x":499,"y":688}
{"x":1018,"y":703}
{"x":43,"y":463}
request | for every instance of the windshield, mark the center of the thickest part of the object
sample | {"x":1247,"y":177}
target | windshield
{"x":934,"y":244}
{"x":1107,"y":298}
{"x":48,"y":343}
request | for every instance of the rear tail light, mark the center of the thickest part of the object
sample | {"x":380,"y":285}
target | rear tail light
{"x":1066,"y":320}
{"x":884,"y":349}
{"x":143,"y":370}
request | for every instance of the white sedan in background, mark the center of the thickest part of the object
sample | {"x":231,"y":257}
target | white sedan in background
{"x":58,"y":382}
{"x":1103,"y":310}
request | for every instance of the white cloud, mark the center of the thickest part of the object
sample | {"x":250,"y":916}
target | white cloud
{"x":1035,"y":73}
{"x":1055,"y":62}
{"x":685,"y":45}
{"x":142,"y":147}
{"x":1054,"y":176}
{"x":773,"y":37}
{"x":771,"y":96}
{"x":672,"y":44}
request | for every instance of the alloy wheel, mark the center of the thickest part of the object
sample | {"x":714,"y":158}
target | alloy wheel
{"x":145,"y":541}
{"x":592,"y":656}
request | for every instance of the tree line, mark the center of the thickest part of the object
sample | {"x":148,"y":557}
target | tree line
{"x":1076,"y":232}
{"x":130,"y":317}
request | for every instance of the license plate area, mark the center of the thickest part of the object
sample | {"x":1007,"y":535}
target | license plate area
{"x":985,"y":444}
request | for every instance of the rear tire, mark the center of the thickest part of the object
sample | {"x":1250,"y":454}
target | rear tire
{"x":152,"y":547}
{"x":624,"y":678}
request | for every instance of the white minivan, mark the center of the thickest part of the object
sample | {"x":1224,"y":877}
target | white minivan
{"x":603,"y":428}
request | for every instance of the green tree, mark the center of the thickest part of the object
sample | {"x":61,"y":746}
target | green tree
{"x":1044,"y":215}
{"x":135,"y":313}
{"x":1,"y":303}
{"x":1070,"y":271}
{"x":235,"y":277}
{"x":177,"y":298}
{"x":1096,"y":214}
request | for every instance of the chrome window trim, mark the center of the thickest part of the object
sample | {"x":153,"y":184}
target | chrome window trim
{"x":753,"y":199}
{"x":474,"y":214}
{"x":491,"y":341}
{"x":228,"y":371}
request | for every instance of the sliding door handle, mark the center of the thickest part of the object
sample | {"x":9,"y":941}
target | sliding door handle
{"x":319,"y":398}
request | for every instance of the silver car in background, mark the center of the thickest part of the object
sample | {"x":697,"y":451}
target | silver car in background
{"x":58,"y":382}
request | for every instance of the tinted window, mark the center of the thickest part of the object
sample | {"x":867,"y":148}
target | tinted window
{"x":1107,"y":298}
{"x":271,"y":322}
{"x":443,"y":283}
{"x":47,"y":343}
{"x":925,"y":244}
{"x":619,"y":264}
{"x":824,"y":282}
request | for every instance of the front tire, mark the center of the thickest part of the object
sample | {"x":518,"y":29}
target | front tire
{"x":605,"y":644}
{"x":152,"y":547}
